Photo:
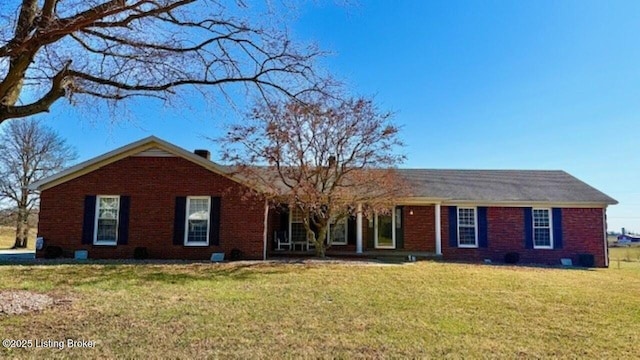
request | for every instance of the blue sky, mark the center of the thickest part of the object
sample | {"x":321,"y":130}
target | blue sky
{"x":475,"y":84}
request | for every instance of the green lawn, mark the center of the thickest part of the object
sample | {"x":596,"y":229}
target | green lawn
{"x":426,"y":309}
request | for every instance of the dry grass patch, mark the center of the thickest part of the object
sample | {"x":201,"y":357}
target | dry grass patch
{"x":427,"y":309}
{"x":625,"y":253}
{"x":8,"y":238}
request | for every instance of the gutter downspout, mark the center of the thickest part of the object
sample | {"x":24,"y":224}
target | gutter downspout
{"x":266,"y":227}
{"x":606,"y":240}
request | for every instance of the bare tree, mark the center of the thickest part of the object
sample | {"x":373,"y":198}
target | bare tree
{"x":321,"y":157}
{"x":114,"y":50}
{"x":28,"y":152}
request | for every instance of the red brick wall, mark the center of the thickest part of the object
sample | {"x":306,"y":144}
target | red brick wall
{"x":582,"y":231}
{"x":153,"y":184}
{"x":419,"y":228}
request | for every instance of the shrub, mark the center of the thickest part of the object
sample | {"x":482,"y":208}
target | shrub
{"x":235,"y":255}
{"x":140,"y":253}
{"x":586,"y":260}
{"x":511,"y":258}
{"x":52,"y":252}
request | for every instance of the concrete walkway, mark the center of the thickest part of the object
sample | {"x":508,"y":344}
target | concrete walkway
{"x":17,"y":254}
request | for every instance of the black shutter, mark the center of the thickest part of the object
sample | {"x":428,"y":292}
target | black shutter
{"x":557,"y":228}
{"x":88,"y":223}
{"x":352,"y":228}
{"x":399,"y":228}
{"x":453,"y":226}
{"x":214,"y":221}
{"x":179,"y":219}
{"x":482,"y":227}
{"x":528,"y":228}
{"x":284,"y":220}
{"x":123,"y":220}
{"x":371,"y":224}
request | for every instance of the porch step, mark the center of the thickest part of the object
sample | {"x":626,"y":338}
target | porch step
{"x":393,"y":259}
{"x":17,"y":255}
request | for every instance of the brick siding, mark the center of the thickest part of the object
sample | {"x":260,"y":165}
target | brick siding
{"x":153,"y":184}
{"x":582,"y":230}
{"x":419,"y":228}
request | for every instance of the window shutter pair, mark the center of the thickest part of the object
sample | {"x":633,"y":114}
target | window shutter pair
{"x":88,"y":223}
{"x":181,"y":213}
{"x":556,"y":215}
{"x":482,"y":225}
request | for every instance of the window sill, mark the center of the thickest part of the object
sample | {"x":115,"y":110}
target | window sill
{"x":105,"y":244}
{"x":468,"y":246}
{"x":196,"y":244}
{"x":543,"y":248}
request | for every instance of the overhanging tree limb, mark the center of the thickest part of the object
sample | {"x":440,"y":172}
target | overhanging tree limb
{"x":123,"y":49}
{"x":58,"y":85}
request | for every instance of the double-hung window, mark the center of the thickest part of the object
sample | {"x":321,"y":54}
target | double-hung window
{"x":197,"y":221}
{"x":298,"y":231}
{"x":542,"y":234}
{"x":106,"y":221}
{"x":467,"y":227}
{"x":338,"y":232}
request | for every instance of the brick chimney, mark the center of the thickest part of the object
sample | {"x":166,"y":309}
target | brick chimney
{"x":203,"y":153}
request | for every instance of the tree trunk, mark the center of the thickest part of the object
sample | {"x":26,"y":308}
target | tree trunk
{"x":22,"y":229}
{"x":320,"y":242}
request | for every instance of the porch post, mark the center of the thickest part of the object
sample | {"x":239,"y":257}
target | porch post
{"x":438,"y":231}
{"x":359,"y":229}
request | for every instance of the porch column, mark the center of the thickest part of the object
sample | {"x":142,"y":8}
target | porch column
{"x":359,"y":229}
{"x":438,"y":231}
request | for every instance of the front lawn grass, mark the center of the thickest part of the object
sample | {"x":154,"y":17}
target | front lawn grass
{"x":425,"y":309}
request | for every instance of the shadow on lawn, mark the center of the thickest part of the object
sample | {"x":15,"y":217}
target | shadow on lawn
{"x":117,"y":275}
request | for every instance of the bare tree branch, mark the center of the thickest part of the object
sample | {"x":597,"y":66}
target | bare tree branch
{"x":321,"y":157}
{"x":122,"y":49}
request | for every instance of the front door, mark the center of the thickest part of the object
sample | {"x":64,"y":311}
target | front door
{"x":384,"y":232}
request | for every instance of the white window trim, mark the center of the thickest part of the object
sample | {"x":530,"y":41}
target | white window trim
{"x":291,"y":222}
{"x":96,"y":218}
{"x":533,"y":229}
{"x":393,"y":231}
{"x":475,"y":226}
{"x":186,"y":222}
{"x":346,"y":233}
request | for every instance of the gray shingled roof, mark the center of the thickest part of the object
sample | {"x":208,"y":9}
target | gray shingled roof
{"x":452,"y":185}
{"x":502,"y":185}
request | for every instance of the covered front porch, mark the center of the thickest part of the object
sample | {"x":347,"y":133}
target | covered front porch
{"x":411,"y":229}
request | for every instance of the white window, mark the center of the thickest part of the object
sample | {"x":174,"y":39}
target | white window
{"x":338,"y":232}
{"x":298,"y":232}
{"x":106,"y":222}
{"x":467,"y":229}
{"x":197,"y":221}
{"x":542,"y":234}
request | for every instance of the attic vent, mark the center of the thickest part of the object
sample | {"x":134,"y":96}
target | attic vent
{"x":203,"y":153}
